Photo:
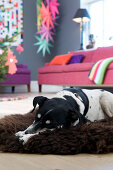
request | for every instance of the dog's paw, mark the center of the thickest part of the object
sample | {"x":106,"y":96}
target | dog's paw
{"x":23,"y":139}
{"x":20,"y":133}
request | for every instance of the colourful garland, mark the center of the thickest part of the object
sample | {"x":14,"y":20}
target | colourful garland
{"x":47,"y":11}
{"x":9,"y":14}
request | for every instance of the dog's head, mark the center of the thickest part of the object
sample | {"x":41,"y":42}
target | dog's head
{"x":53,"y":113}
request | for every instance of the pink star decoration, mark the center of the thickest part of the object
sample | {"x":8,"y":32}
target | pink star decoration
{"x":11,"y":60}
{"x":47,"y":2}
{"x":53,"y":7}
{"x":20,"y":49}
{"x":46,"y":33}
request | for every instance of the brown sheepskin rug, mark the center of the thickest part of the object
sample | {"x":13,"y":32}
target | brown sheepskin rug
{"x":96,"y":137}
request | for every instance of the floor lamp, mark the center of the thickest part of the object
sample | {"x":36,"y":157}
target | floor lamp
{"x":81,"y":16}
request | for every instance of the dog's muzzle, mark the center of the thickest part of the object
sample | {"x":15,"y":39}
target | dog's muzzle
{"x":36,"y":126}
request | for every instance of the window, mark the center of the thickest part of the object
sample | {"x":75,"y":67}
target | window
{"x":101,"y":25}
{"x":96,"y":24}
{"x":108,"y":22}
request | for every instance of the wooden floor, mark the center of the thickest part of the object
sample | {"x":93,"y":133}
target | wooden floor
{"x":55,"y":162}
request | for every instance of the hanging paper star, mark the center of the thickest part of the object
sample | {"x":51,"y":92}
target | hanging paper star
{"x":46,"y":33}
{"x":39,"y":3}
{"x":55,"y":23}
{"x":46,"y":15}
{"x":43,"y":45}
{"x":39,"y":22}
{"x":53,"y":7}
{"x":46,"y":22}
{"x":47,"y":2}
{"x":11,"y":60}
{"x":38,"y":15}
{"x":20,"y":48}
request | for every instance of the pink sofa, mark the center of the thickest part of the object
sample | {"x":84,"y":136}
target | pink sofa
{"x":76,"y":74}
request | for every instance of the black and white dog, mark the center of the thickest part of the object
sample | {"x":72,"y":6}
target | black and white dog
{"x":68,"y":108}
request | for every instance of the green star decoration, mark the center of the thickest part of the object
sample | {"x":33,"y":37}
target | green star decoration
{"x":43,"y":45}
{"x":39,"y":3}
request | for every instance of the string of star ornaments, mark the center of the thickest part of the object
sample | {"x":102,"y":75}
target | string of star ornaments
{"x":47,"y":14}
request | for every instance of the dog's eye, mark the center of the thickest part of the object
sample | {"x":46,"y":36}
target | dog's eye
{"x":48,"y":122}
{"x":39,"y":115}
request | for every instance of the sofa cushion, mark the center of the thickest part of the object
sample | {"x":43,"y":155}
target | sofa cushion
{"x":66,"y":68}
{"x":69,"y":68}
{"x":102,"y":52}
{"x":76,"y":59}
{"x":61,"y":59}
{"x":88,"y":55}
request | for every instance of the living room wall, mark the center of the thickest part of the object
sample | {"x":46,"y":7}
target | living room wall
{"x":67,"y":36}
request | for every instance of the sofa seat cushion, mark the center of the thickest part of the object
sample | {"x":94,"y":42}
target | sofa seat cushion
{"x":69,"y":68}
{"x":66,"y":68}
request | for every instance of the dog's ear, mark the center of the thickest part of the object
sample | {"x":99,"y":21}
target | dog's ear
{"x":38,"y":100}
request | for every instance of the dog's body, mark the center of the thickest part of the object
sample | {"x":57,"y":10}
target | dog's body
{"x":68,"y":108}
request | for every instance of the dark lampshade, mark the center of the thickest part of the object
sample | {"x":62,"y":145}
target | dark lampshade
{"x":81,"y":16}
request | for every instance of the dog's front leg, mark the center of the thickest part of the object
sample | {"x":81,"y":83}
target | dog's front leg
{"x":21,"y":133}
{"x":23,"y":139}
{"x":82,"y":118}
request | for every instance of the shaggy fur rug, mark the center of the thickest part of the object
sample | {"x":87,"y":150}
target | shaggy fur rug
{"x":96,"y":137}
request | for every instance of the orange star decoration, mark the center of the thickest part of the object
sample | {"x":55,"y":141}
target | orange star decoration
{"x":11,"y":60}
{"x":46,"y":15}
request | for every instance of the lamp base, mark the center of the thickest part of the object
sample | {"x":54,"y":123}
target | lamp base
{"x":81,"y":49}
{"x":81,"y":46}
